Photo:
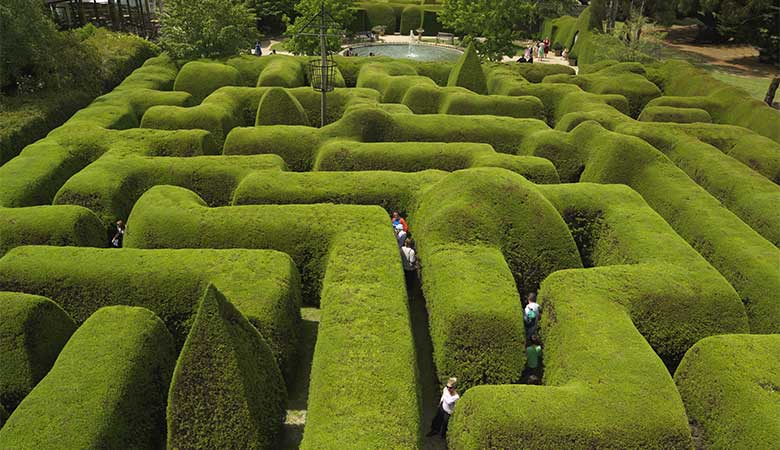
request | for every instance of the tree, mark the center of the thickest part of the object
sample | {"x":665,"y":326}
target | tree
{"x":493,"y":24}
{"x":340,"y":10}
{"x":35,"y":56}
{"x":270,"y":13}
{"x":206,"y":28}
{"x":755,"y":22}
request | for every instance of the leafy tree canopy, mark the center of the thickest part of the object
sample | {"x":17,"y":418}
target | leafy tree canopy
{"x":495,"y":24}
{"x":755,"y":22}
{"x":340,"y":10}
{"x":206,"y":28}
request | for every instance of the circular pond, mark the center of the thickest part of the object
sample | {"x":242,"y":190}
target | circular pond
{"x":420,"y":52}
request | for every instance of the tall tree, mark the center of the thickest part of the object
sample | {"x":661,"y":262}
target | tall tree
{"x":341,"y":11}
{"x":755,"y":22}
{"x":492,"y":24}
{"x":206,"y":28}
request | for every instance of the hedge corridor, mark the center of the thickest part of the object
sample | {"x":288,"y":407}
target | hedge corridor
{"x":639,"y":200}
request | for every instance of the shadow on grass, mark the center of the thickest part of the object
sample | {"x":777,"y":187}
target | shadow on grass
{"x":298,"y":385}
{"x":426,"y":370}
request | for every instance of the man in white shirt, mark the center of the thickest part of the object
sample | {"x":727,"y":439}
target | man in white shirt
{"x":446,"y":407}
{"x":532,"y":305}
{"x":409,"y":259}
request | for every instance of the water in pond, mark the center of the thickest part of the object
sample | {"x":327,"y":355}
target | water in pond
{"x":410,"y":51}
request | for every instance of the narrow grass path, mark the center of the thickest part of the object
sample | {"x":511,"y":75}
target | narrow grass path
{"x":298,"y":385}
{"x":430,"y":387}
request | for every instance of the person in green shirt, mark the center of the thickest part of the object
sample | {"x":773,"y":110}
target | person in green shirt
{"x":533,"y":355}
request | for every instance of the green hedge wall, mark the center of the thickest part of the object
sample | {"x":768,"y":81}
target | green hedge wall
{"x":49,"y":225}
{"x":349,"y":261}
{"x":107,"y":388}
{"x":676,"y":115}
{"x":279,"y":107}
{"x":201,"y":78}
{"x":476,"y":260}
{"x":411,"y":19}
{"x":744,"y":258}
{"x":226,"y":389}
{"x":263,"y":285}
{"x":729,"y":386}
{"x":417,"y":156}
{"x":33,"y":330}
{"x":111,"y":185}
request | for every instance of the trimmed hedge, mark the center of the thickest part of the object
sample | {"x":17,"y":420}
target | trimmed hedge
{"x":201,"y":78}
{"x":485,"y":236}
{"x":614,"y":226}
{"x":729,"y":385}
{"x":226,"y":389}
{"x":49,"y":225}
{"x":365,"y":347}
{"x":282,"y":70}
{"x":468,"y":72}
{"x":296,"y":144}
{"x":747,"y":260}
{"x":106,"y":390}
{"x":380,"y":14}
{"x":417,"y":156}
{"x":33,"y":330}
{"x":392,"y":80}
{"x":617,"y":79}
{"x":411,"y":19}
{"x":747,"y":194}
{"x":263,"y":285}
{"x":393,"y":191}
{"x":677,"y":115}
{"x":725,"y":103}
{"x":278,"y":107}
{"x":111,"y":185}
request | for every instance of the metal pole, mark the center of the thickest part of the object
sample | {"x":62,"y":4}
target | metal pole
{"x":323,"y":62}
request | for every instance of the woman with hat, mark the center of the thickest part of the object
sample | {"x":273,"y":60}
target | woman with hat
{"x":446,"y":405}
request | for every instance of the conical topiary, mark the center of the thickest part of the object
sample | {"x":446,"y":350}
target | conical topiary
{"x":279,"y":107}
{"x":227,"y":391}
{"x":468,"y":73}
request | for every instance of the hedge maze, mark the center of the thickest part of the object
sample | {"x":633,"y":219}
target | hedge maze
{"x":639,"y":200}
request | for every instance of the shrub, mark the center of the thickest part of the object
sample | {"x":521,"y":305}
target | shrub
{"x":296,"y":144}
{"x":739,"y":253}
{"x":263,"y":285}
{"x":677,"y":115}
{"x":380,"y":14}
{"x":202,"y":78}
{"x":111,"y":185}
{"x":226,"y":389}
{"x":411,"y":19}
{"x":33,"y":330}
{"x":278,"y":107}
{"x":49,"y":225}
{"x":729,"y":386}
{"x":282,"y":70}
{"x":364,"y":342}
{"x":477,"y":260}
{"x":107,"y":388}
{"x":468,"y":72}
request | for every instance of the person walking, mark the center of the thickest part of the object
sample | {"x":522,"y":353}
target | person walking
{"x":449,"y":397}
{"x":258,"y":49}
{"x":533,"y":365}
{"x":119,"y":236}
{"x":531,"y":316}
{"x":409,"y":259}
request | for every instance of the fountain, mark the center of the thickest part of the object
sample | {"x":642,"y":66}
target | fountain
{"x":410,"y":53}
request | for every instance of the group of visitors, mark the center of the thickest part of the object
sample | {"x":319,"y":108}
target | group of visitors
{"x":406,"y":245}
{"x":533,"y":351}
{"x":539,"y":50}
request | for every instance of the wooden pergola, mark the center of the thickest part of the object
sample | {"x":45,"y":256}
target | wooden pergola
{"x":132,"y":16}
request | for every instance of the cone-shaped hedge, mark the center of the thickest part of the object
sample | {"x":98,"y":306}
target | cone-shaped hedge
{"x":227,"y":390}
{"x":468,"y":73}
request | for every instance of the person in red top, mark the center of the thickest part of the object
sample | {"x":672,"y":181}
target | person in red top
{"x":398,"y":219}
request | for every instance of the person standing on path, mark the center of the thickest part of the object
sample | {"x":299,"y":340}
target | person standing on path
{"x":449,"y":397}
{"x":116,"y":241}
{"x":409,"y":259}
{"x":533,"y":355}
